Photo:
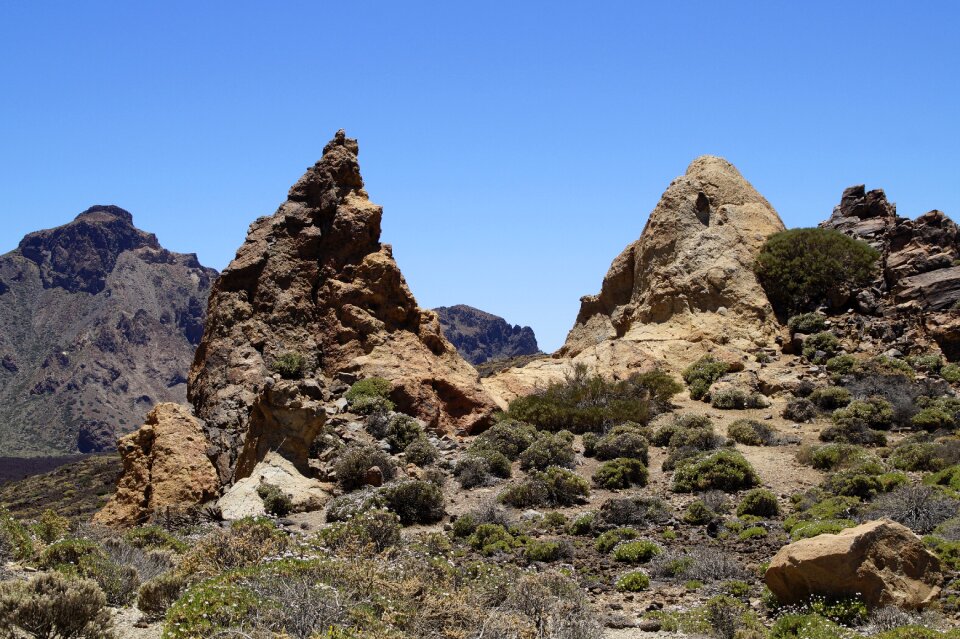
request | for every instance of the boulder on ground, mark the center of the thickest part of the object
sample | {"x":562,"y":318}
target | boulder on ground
{"x":882,"y":562}
{"x":165,"y":465}
{"x":305,"y":494}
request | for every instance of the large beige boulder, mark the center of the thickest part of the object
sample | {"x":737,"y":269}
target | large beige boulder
{"x":242,"y":500}
{"x":881,"y":561}
{"x":165,"y":465}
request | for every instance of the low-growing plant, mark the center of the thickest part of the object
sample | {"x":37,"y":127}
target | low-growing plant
{"x":53,"y":606}
{"x":51,"y":527}
{"x":370,"y":395}
{"x":807,"y":323}
{"x":750,"y":432}
{"x":636,"y":552}
{"x":799,"y":409}
{"x":830,"y":397}
{"x":736,"y":399}
{"x":832,"y":456}
{"x":637,"y":510}
{"x":633,"y":581}
{"x":759,"y":502}
{"x":275,"y":501}
{"x":820,"y":347}
{"x":620,"y":473}
{"x":415,"y":501}
{"x":547,"y":550}
{"x":622,"y":441}
{"x":841,"y":365}
{"x":753,"y":532}
{"x":950,"y":372}
{"x":920,"y":508}
{"x":376,"y":529}
{"x":508,"y":437}
{"x":158,"y":594}
{"x":154,"y":538}
{"x":581,"y":525}
{"x":15,"y":541}
{"x":248,"y":541}
{"x":722,"y":470}
{"x":698,"y":514}
{"x":548,"y":449}
{"x":492,"y":538}
{"x":701,"y":374}
{"x":608,"y":540}
{"x":942,"y":413}
{"x":354,"y":462}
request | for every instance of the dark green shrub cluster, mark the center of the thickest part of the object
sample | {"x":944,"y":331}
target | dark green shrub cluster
{"x":822,"y":514}
{"x":549,"y":449}
{"x":759,"y":502}
{"x":290,"y":365}
{"x":924,"y":456}
{"x":625,"y":440}
{"x":750,"y":432}
{"x":841,"y":365}
{"x":157,"y":595}
{"x":582,"y":524}
{"x":830,"y":397}
{"x":86,"y":559}
{"x":154,"y":538}
{"x":948,"y":477}
{"x":832,"y":456}
{"x":403,"y":430}
{"x":421,"y":452}
{"x":415,"y":501}
{"x":800,"y":269}
{"x":53,"y":606}
{"x":622,"y":472}
{"x":942,"y":413}
{"x":821,"y":347}
{"x":354,"y":462}
{"x":950,"y":373}
{"x":636,"y":510}
{"x":926,"y":362}
{"x":275,"y":501}
{"x":608,"y":540}
{"x":722,"y":470}
{"x":370,"y":395}
{"x":479,"y":464}
{"x":508,"y":437}
{"x":807,"y":323}
{"x":490,"y":539}
{"x":680,"y":423}
{"x":864,"y":480}
{"x":377,"y":529}
{"x":701,"y":374}
{"x":636,"y":552}
{"x":799,"y":409}
{"x":553,"y":487}
{"x":633,"y":581}
{"x":859,"y":421}
{"x":736,"y":399}
{"x":920,"y":508}
{"x":15,"y":541}
{"x":547,"y":550}
{"x":585,"y":402}
{"x":50,"y":527}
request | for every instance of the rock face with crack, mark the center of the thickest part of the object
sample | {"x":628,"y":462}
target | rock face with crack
{"x":98,"y":322}
{"x":165,"y":465}
{"x":882,"y":561}
{"x":312,"y":282}
{"x":481,"y":336}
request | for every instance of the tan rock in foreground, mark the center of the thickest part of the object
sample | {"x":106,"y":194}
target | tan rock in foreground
{"x":881,"y":561}
{"x":164,"y":465}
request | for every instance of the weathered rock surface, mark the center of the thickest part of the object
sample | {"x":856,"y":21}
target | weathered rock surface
{"x":98,"y":323}
{"x":165,"y":465}
{"x":684,"y":288}
{"x":241,"y":499}
{"x":480,"y":336}
{"x":314,"y":279}
{"x":882,"y":561}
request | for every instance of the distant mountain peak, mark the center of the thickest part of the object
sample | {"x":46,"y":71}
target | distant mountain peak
{"x":481,"y":336}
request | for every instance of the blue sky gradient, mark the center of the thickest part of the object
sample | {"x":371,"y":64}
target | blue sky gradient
{"x":516,"y":147}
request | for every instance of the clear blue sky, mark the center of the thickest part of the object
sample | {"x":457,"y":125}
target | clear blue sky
{"x":516,"y":147}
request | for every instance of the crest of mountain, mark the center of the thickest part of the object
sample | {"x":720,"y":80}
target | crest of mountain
{"x":98,"y":322}
{"x":683,"y":288}
{"x":313,"y":283}
{"x":481,"y":336}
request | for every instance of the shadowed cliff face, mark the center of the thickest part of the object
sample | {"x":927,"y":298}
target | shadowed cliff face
{"x":314,"y":279}
{"x":97,"y":323}
{"x":480,"y":337}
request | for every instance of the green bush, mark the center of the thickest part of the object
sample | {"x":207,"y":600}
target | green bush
{"x":951,"y":373}
{"x":370,"y":395}
{"x":801,"y":268}
{"x":753,"y":532}
{"x":51,"y":527}
{"x":275,"y":501}
{"x":158,"y":594}
{"x":584,"y":402}
{"x":807,"y":529}
{"x":927,"y":362}
{"x":697,"y":513}
{"x":918,"y":456}
{"x":942,"y":413}
{"x":841,"y":365}
{"x":622,"y":441}
{"x":376,"y":529}
{"x":821,"y":347}
{"x":830,"y":397}
{"x":722,"y":470}
{"x":582,"y":525}
{"x":799,"y":409}
{"x":825,"y":508}
{"x":508,"y":437}
{"x":85,"y":558}
{"x":759,"y":502}
{"x":421,"y":452}
{"x":701,"y":374}
{"x":833,"y":456}
{"x":949,"y":477}
{"x":633,"y":581}
{"x":620,"y":473}
{"x":636,"y":552}
{"x":290,"y":365}
{"x":807,"y":323}
{"x":864,"y":480}
{"x":875,"y":412}
{"x":750,"y":432}
{"x":478,"y":465}
{"x":736,"y":399}
{"x":403,"y":430}
{"x":154,"y":538}
{"x":415,"y":501}
{"x":545,"y":551}
{"x":554,"y":487}
{"x":687,"y":443}
{"x":354,"y":462}
{"x":492,"y":538}
{"x":608,"y":540}
{"x":15,"y":541}
{"x":548,"y":449}
{"x":52,"y":606}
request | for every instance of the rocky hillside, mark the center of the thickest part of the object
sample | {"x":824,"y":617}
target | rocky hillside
{"x":98,"y":322}
{"x":481,"y":336}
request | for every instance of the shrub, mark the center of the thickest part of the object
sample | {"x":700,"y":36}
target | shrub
{"x":949,"y":477}
{"x":154,"y":538}
{"x":736,"y":399}
{"x":290,"y":365}
{"x":830,"y":397}
{"x":275,"y":501}
{"x":941,"y":413}
{"x":632,"y":511}
{"x":421,"y":452}
{"x":636,"y":552}
{"x":548,"y":450}
{"x":698,"y":514}
{"x":51,"y":606}
{"x":158,"y":594}
{"x":415,"y":501}
{"x":951,"y":373}
{"x":918,"y":456}
{"x":864,"y":480}
{"x":633,"y":581}
{"x":807,"y":323}
{"x":799,"y":410}
{"x":376,"y":529}
{"x":582,"y":525}
{"x":607,"y":541}
{"x":548,"y":550}
{"x":555,"y":486}
{"x":928,"y":362}
{"x":874,"y":412}
{"x":248,"y":541}
{"x":750,"y":432}
{"x":801,"y":268}
{"x":700,"y":375}
{"x":687,"y":443}
{"x":832,"y":456}
{"x":508,"y":437}
{"x":370,"y":395}
{"x":759,"y":502}
{"x":15,"y":541}
{"x":723,"y":470}
{"x":51,"y":527}
{"x":620,"y":473}
{"x":841,"y":365}
{"x":492,"y":538}
{"x":584,"y":403}
{"x":354,"y":462}
{"x":622,"y":441}
{"x":920,"y":508}
{"x":821,"y":347}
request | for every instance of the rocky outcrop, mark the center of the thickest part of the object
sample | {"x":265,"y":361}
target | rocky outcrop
{"x":480,"y":337}
{"x":165,"y":465}
{"x":98,"y":323}
{"x":313,"y":281}
{"x":881,"y":561}
{"x":243,"y":500}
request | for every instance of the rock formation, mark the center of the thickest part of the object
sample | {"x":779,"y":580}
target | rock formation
{"x":480,"y":336}
{"x":685,"y":286}
{"x":98,"y":323}
{"x":165,"y":465}
{"x":881,"y":561}
{"x":313,"y":282}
